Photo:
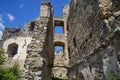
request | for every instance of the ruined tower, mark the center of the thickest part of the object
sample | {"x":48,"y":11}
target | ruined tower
{"x":41,"y":60}
{"x":61,"y":61}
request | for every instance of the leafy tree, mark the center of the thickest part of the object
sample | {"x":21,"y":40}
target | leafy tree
{"x":10,"y":73}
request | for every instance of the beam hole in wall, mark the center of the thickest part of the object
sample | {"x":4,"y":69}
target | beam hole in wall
{"x":74,"y":42}
{"x":118,"y":58}
{"x":12,"y":50}
{"x":31,"y":28}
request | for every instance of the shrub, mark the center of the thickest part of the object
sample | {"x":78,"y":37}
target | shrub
{"x":11,"y":73}
{"x":2,"y":57}
{"x":114,"y":76}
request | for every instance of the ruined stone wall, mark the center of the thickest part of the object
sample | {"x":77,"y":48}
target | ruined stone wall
{"x":94,"y":42}
{"x":60,"y":38}
{"x":20,"y":56}
{"x":65,"y":11}
{"x":29,"y":27}
{"x":61,"y":62}
{"x":39,"y":60}
{"x":10,"y":32}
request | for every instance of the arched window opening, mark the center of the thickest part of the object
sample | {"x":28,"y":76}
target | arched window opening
{"x":58,"y":27}
{"x":58,"y":50}
{"x":12,"y":50}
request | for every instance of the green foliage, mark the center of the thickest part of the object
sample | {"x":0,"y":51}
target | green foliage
{"x":114,"y":76}
{"x":11,"y":73}
{"x":2,"y":58}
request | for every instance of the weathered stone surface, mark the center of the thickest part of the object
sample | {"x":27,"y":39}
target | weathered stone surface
{"x":92,"y":49}
{"x":65,"y":11}
{"x":39,"y":55}
{"x":60,"y":72}
{"x":8,"y":32}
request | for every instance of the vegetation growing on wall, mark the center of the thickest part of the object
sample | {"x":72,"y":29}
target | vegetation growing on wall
{"x":11,"y":73}
{"x":2,"y":58}
{"x":114,"y":76}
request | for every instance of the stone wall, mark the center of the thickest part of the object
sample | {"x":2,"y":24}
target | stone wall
{"x":60,"y":68}
{"x":65,"y":13}
{"x":8,"y":32}
{"x":60,"y":72}
{"x":61,"y":62}
{"x":93,"y":39}
{"x":60,"y":38}
{"x":20,"y":56}
{"x":39,"y":60}
{"x":29,"y":27}
{"x":91,"y":42}
{"x":36,"y":46}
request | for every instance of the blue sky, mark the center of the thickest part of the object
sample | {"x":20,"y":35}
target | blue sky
{"x":14,"y":13}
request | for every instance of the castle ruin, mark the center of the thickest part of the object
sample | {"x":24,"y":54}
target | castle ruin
{"x":90,"y":41}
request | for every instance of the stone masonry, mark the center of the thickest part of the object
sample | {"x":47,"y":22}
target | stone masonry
{"x":39,"y":58}
{"x":90,"y":41}
{"x":94,"y":39}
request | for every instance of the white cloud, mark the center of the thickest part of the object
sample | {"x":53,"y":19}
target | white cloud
{"x":21,"y":6}
{"x":2,"y":26}
{"x":11,"y":17}
{"x":1,"y":35}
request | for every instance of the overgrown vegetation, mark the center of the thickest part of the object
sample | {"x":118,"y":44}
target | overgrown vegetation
{"x":2,"y":58}
{"x":11,"y":73}
{"x":114,"y":76}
